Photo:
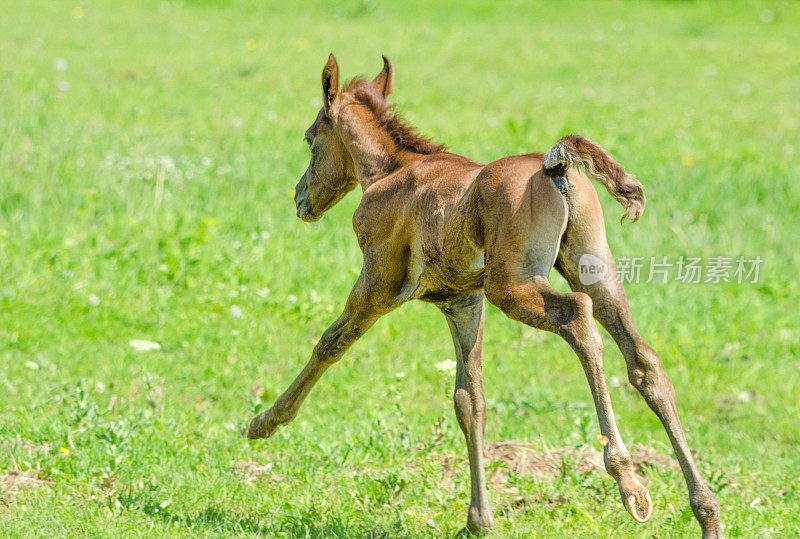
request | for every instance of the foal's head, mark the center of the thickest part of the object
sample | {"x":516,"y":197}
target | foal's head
{"x":331,"y":173}
{"x":356,"y":134}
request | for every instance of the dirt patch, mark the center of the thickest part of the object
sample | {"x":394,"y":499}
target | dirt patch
{"x":34,"y":448}
{"x":520,"y":505}
{"x":11,"y":483}
{"x":522,"y":458}
{"x":29,"y":446}
{"x":251,"y":470}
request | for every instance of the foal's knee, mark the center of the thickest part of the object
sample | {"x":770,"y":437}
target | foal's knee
{"x":335,"y":341}
{"x":463,"y":405}
{"x":327,"y":350}
{"x":468,"y":408}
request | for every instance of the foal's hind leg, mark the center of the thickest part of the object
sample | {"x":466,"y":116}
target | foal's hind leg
{"x":535,"y":303}
{"x":586,"y":235}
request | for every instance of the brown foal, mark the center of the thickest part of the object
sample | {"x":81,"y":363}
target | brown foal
{"x":444,"y":229}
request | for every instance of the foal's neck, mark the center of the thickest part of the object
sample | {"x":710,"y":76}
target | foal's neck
{"x":374,"y":154}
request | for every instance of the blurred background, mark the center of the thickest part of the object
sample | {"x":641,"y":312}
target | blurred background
{"x":156,"y":287}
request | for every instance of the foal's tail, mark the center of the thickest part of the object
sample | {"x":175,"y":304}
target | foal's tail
{"x":601,"y":167}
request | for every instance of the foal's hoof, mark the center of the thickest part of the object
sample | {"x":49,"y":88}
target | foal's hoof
{"x":638,"y":504}
{"x":262,"y":426}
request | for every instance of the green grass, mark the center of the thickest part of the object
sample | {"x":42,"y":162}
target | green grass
{"x":99,"y":99}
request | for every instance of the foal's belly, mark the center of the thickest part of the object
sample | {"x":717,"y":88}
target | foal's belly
{"x":444,"y":282}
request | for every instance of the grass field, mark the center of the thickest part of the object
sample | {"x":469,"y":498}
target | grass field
{"x":148,"y":152}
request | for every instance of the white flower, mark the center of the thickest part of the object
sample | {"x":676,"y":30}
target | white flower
{"x":32,"y":365}
{"x":262,"y":292}
{"x":142,"y":345}
{"x":400,"y":375}
{"x":235,"y":311}
{"x":448,"y":366}
{"x":59,"y":64}
{"x":291,"y":298}
{"x":94,"y":300}
{"x":165,"y":161}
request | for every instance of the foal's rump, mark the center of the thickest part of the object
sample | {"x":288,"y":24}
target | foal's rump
{"x":526,"y":203}
{"x":522,"y":214}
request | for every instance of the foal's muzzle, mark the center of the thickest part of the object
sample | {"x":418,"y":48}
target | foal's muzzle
{"x":303,"y":205}
{"x":305,"y":213}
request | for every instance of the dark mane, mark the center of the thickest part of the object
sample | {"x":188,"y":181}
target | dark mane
{"x":402,"y":133}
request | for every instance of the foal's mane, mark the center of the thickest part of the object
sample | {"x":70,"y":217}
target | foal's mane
{"x":402,"y":133}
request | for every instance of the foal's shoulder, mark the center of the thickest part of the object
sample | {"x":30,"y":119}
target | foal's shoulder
{"x":379,"y":202}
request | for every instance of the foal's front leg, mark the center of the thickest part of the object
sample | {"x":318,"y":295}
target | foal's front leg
{"x":360,"y":312}
{"x":465,"y":319}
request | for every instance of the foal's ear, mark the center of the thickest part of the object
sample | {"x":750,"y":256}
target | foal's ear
{"x":385,"y":78}
{"x":330,"y":81}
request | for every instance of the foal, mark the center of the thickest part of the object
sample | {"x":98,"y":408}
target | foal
{"x":442,"y":228}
